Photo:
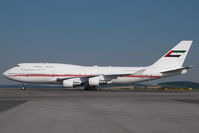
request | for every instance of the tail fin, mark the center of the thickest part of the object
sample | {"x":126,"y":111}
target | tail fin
{"x":175,"y":57}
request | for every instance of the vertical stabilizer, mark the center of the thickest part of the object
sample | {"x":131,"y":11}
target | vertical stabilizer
{"x":175,"y":57}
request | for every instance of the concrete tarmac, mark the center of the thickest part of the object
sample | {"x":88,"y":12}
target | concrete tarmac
{"x":70,"y":111}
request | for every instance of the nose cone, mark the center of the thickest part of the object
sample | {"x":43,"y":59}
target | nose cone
{"x":5,"y":74}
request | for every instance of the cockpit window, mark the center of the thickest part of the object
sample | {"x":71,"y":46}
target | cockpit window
{"x":17,"y":65}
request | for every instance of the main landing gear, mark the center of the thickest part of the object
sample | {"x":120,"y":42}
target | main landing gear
{"x":23,"y":87}
{"x":91,"y":88}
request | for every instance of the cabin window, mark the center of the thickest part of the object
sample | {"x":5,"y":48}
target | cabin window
{"x":37,"y":66}
{"x":49,"y":66}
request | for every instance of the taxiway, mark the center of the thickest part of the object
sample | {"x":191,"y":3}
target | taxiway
{"x":59,"y":110}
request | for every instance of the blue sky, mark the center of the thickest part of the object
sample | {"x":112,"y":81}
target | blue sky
{"x":89,"y":32}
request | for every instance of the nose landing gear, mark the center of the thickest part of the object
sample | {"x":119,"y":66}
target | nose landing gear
{"x":23,"y":87}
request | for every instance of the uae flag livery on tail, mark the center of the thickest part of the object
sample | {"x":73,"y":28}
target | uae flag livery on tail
{"x":175,"y":53}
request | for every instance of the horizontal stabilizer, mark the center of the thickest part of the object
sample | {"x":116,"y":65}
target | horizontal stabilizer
{"x":179,"y":69}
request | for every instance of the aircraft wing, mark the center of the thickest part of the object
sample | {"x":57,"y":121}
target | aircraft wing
{"x":82,"y":77}
{"x":107,"y":77}
{"x":113,"y":76}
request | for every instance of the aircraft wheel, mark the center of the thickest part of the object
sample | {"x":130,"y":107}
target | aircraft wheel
{"x":86,"y":89}
{"x":23,"y":87}
{"x":92,"y":88}
{"x":95,"y":88}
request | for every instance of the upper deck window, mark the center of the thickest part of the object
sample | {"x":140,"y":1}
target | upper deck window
{"x":17,"y":65}
{"x":49,"y":66}
{"x":37,"y":66}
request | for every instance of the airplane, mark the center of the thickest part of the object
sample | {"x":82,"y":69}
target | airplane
{"x":91,"y":77}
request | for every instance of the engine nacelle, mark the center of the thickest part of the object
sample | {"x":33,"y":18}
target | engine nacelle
{"x":96,"y":81}
{"x":72,"y":82}
{"x":68,"y":83}
{"x":93,"y":82}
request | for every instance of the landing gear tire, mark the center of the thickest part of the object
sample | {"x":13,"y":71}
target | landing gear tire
{"x":92,"y":88}
{"x":97,"y":88}
{"x":86,"y":88}
{"x":23,"y":87}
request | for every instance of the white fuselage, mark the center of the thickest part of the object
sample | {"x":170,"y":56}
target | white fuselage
{"x":49,"y":73}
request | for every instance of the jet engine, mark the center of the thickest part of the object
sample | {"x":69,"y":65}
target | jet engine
{"x":74,"y":82}
{"x":96,"y":81}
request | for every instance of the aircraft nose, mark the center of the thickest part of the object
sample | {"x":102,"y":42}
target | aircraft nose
{"x":5,"y":73}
